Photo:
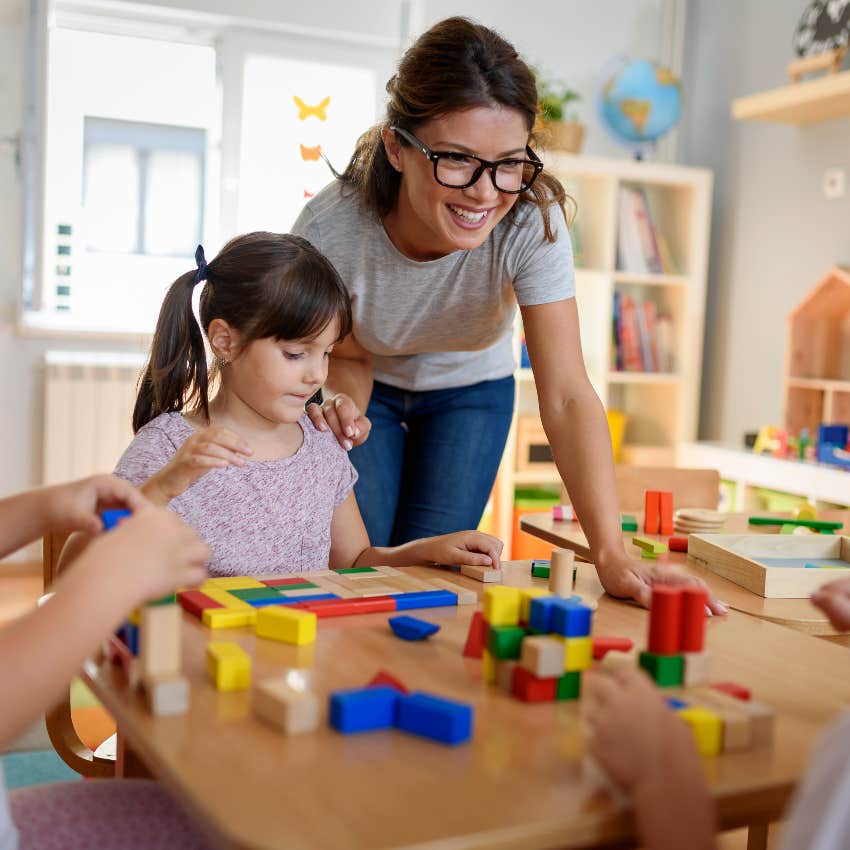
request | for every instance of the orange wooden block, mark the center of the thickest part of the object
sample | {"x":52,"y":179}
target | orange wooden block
{"x":666,"y":513}
{"x":652,"y":512}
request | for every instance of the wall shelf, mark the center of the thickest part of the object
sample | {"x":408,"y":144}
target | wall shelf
{"x":806,"y":102}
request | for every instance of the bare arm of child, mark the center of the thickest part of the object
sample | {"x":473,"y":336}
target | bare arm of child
{"x":350,"y":545}
{"x":148,"y":555}
{"x":648,"y":752}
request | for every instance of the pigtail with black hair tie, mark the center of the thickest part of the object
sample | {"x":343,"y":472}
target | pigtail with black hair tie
{"x":200,"y":259}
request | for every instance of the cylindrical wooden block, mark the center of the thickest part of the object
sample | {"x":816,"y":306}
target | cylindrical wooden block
{"x":694,"y":600}
{"x":665,"y":620}
{"x":561,"y":572}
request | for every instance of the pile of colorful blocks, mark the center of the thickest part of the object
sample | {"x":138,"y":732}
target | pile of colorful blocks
{"x":534,"y":644}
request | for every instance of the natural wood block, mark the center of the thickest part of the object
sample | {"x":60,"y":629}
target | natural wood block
{"x":761,"y":716}
{"x":486,"y":574}
{"x":292,"y":710}
{"x":543,"y":655}
{"x":505,"y":674}
{"x":166,"y":694}
{"x":696,"y":668}
{"x":561,"y":567}
{"x":465,"y":596}
{"x":159,"y":641}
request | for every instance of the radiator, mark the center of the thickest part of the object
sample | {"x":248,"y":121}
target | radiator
{"x":88,"y":409}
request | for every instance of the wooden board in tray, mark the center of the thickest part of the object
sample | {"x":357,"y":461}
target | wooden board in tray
{"x":773,"y":565}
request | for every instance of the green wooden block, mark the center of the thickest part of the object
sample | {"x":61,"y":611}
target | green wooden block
{"x":654,"y":546}
{"x":348,"y":570}
{"x":505,"y":642}
{"x":540,"y":572}
{"x":246,"y":593}
{"x":628,"y":522}
{"x":817,"y":524}
{"x":569,"y":686}
{"x":170,"y":599}
{"x":667,"y":670}
{"x":651,"y":556}
{"x":787,"y":529}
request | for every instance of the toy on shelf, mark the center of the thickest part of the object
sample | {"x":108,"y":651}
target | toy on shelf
{"x":833,"y":445}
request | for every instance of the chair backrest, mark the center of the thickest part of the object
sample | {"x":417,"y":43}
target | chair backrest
{"x":51,"y":550}
{"x":691,"y":488}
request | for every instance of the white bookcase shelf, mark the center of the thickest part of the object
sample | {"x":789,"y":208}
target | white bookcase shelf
{"x":661,"y":407}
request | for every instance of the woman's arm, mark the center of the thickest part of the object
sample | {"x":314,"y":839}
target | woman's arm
{"x":577,"y":429}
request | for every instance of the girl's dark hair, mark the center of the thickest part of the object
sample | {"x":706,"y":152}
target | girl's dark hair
{"x":263,"y":285}
{"x":455,"y":65}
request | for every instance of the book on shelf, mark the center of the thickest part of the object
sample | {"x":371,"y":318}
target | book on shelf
{"x":641,"y":247}
{"x":642,"y":339}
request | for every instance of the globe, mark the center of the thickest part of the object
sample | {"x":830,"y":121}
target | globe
{"x":639,"y":102}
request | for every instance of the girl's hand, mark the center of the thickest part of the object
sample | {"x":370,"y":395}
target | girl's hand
{"x":76,"y":506}
{"x":155,"y":550}
{"x":343,"y":417}
{"x":470,"y":548}
{"x":633,"y":735}
{"x":834,"y":600}
{"x":628,"y":578}
{"x":212,"y":448}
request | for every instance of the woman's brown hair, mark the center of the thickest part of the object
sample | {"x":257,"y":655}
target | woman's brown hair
{"x":455,"y":65}
{"x":263,"y":285}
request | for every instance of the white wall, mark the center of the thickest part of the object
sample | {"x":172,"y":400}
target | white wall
{"x":774,"y":234}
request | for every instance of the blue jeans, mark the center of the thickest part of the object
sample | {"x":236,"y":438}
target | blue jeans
{"x":431,"y":458}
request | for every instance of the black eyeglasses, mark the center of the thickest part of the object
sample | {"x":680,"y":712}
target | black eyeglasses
{"x":456,"y":170}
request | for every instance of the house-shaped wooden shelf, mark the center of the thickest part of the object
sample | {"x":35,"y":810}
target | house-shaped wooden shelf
{"x":817,"y":374}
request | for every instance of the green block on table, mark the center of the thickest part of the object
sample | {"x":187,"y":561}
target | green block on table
{"x":628,"y":522}
{"x":247,"y":593}
{"x":505,"y":642}
{"x":787,"y":529}
{"x":827,"y":531}
{"x":569,"y":686}
{"x":348,"y":570}
{"x":656,"y":547}
{"x":170,"y":599}
{"x":817,"y":524}
{"x":666,"y":670}
{"x":540,"y":572}
{"x":650,"y":556}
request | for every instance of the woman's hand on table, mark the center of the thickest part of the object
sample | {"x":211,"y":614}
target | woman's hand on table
{"x":342,"y":416}
{"x":833,"y":599}
{"x":628,"y":578}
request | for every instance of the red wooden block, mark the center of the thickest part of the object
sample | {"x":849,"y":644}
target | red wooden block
{"x":194,"y":602}
{"x":345,"y":607}
{"x":665,"y":510}
{"x":528,"y":688}
{"x":678,"y":544}
{"x":384,"y":678}
{"x":284,"y":582}
{"x":475,"y":638}
{"x":694,"y":600}
{"x":665,"y":620}
{"x":651,"y":512}
{"x":603,"y":645}
{"x":737,"y":691}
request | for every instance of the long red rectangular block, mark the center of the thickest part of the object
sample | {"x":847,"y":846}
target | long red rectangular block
{"x":665,"y":620}
{"x":734,"y":690}
{"x":344,"y":607}
{"x":284,"y":582}
{"x":603,"y":645}
{"x":194,"y":602}
{"x":694,"y":600}
{"x":652,"y":512}
{"x":529,"y":688}
{"x":665,"y":510}
{"x":678,"y":544}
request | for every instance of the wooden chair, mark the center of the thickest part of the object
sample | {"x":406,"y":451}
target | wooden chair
{"x":691,"y":488}
{"x":60,"y":727}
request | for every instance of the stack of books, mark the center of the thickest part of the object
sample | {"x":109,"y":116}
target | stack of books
{"x":642,"y":339}
{"x":641,"y":247}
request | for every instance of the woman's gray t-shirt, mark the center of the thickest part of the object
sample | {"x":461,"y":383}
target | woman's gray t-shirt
{"x":440,"y":323}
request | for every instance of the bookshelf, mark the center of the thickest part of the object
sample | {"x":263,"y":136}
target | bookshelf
{"x":807,"y":102}
{"x":661,"y":405}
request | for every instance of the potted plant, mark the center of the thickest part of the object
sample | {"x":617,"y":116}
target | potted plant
{"x":559,"y":121}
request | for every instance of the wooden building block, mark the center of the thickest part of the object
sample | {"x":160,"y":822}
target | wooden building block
{"x":505,"y":674}
{"x":696,"y":671}
{"x":465,"y":596}
{"x":475,"y":637}
{"x":488,"y":667}
{"x":733,"y":689}
{"x":603,"y":645}
{"x":652,"y":512}
{"x":486,"y":574}
{"x":678,"y":544}
{"x":543,"y":655}
{"x":230,"y":583}
{"x":707,"y":728}
{"x":290,"y":709}
{"x":617,"y":661}
{"x":578,"y":654}
{"x":761,"y":716}
{"x":665,"y":525}
{"x":288,"y":625}
{"x":159,"y":647}
{"x":531,"y":688}
{"x":166,"y":694}
{"x":382,"y":678}
{"x":196,"y":602}
{"x":227,"y":618}
{"x":569,"y":686}
{"x":505,"y":641}
{"x":233,"y":603}
{"x":666,"y":671}
{"x":526,"y":594}
{"x":665,"y":620}
{"x":562,"y":564}
{"x":501,"y":605}
{"x":228,"y":665}
{"x":653,"y":547}
{"x":694,"y":602}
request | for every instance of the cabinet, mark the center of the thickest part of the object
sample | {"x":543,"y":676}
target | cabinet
{"x":660,"y":405}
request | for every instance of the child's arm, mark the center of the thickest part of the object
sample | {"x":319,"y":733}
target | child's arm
{"x":147,"y":556}
{"x":350,"y":545}
{"x":66,"y":507}
{"x":649,"y":753}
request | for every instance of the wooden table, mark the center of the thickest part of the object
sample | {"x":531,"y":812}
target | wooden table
{"x":797,"y":614}
{"x":517,"y":784}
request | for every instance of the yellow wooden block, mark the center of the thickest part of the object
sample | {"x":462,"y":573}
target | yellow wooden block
{"x":231,"y":583}
{"x":286,"y":624}
{"x":228,"y":618}
{"x":227,"y":599}
{"x":578,"y":654}
{"x":805,"y":511}
{"x":135,"y":617}
{"x":488,"y":667}
{"x":501,"y":605}
{"x":229,"y":666}
{"x":526,"y":594}
{"x":707,"y":728}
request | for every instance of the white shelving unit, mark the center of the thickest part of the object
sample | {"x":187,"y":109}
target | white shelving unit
{"x":661,"y":407}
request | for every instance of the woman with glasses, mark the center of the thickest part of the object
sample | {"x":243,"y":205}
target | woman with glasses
{"x":444,"y":221}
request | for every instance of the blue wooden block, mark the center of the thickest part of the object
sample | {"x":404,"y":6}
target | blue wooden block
{"x":676,"y":704}
{"x":409,"y":628}
{"x":111,"y":518}
{"x":570,"y":618}
{"x":540,"y":614}
{"x":434,"y":717}
{"x":363,"y":709}
{"x":291,"y":600}
{"x":130,"y":635}
{"x":424,"y":599}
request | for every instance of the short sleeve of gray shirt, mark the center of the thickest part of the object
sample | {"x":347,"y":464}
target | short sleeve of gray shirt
{"x":440,"y":323}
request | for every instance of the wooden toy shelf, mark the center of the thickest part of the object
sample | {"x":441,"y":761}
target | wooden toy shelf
{"x":801,"y":103}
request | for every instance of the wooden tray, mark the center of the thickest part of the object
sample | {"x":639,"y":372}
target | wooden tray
{"x":773,"y":565}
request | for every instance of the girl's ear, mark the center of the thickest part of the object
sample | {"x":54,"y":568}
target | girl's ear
{"x":224,"y":340}
{"x":392,"y":148}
